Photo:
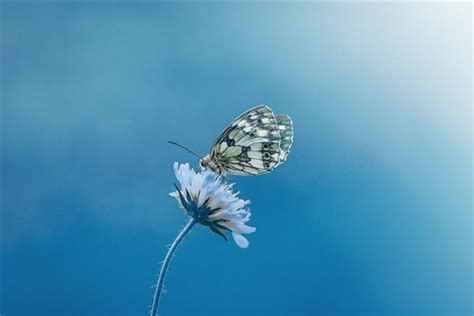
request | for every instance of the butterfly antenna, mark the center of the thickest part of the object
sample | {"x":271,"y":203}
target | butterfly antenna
{"x":187,"y":149}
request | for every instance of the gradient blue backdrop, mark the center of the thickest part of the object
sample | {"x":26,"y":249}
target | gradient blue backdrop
{"x":371,"y":214}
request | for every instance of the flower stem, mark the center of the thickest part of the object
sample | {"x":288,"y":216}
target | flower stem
{"x":166,"y":262}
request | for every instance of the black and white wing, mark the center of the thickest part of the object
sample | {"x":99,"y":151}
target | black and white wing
{"x":252,"y":143}
{"x":285,"y":127}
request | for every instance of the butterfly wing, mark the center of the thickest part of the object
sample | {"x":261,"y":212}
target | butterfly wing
{"x":251,"y":144}
{"x":285,"y":127}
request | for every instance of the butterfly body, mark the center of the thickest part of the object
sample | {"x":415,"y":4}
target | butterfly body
{"x":255,"y":143}
{"x":207,"y":162}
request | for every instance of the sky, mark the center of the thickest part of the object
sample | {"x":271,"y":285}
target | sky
{"x":370,"y":215}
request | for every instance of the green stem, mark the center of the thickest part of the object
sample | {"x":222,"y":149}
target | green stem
{"x":166,"y":262}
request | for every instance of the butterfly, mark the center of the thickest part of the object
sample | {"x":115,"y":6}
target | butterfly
{"x":255,"y":143}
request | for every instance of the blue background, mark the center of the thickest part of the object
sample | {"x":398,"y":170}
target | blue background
{"x":372,"y":213}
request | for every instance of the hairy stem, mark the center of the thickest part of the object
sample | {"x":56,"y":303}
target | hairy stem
{"x":166,"y":262}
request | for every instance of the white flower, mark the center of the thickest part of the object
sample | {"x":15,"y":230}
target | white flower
{"x":212,"y":203}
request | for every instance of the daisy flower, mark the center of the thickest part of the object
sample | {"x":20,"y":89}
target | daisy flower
{"x":210,"y":202}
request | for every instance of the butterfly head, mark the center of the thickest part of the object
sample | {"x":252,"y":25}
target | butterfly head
{"x":205,"y":162}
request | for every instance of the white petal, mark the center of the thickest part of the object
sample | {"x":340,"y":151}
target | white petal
{"x":183,"y":175}
{"x":240,"y":240}
{"x":239,"y":228}
{"x":246,"y":229}
{"x":174,"y":194}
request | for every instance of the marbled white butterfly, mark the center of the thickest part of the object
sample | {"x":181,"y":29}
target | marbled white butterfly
{"x":255,"y":143}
